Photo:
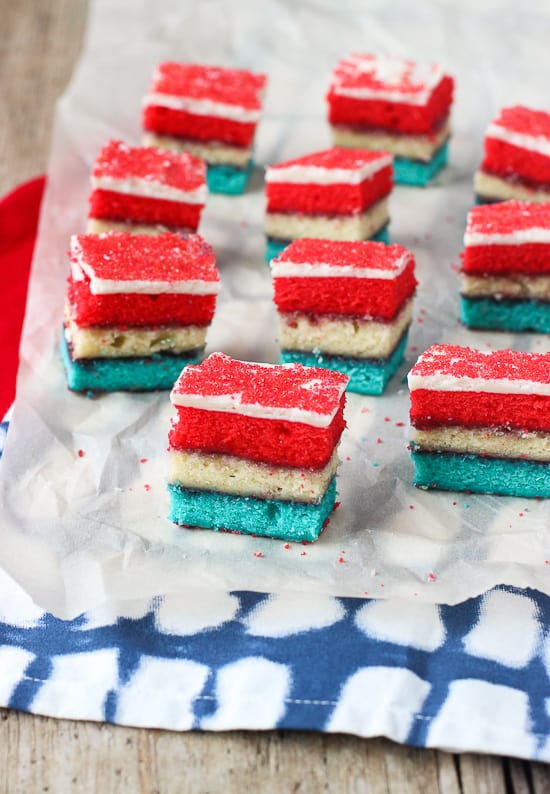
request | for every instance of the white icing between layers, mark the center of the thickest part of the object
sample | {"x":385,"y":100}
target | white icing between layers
{"x":148,"y":188}
{"x":519,"y":237}
{"x":204,"y":107}
{"x":289,"y":269}
{"x":392,"y":70}
{"x":445,"y":382}
{"x":533,"y":143}
{"x":103,"y":286}
{"x":319,"y":175}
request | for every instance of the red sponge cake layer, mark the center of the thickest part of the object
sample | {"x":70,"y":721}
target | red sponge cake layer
{"x":286,"y":415}
{"x":193,"y":127}
{"x":346,"y":278}
{"x":137,"y":310}
{"x":390,"y":94}
{"x":267,"y":440}
{"x":140,"y":209}
{"x":507,"y":160}
{"x":431,"y":408}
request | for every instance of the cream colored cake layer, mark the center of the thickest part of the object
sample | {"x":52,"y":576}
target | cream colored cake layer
{"x":488,"y":441}
{"x":518,"y":286}
{"x":341,"y":336}
{"x":335,"y":227}
{"x":212,"y":152}
{"x":493,"y":187}
{"x":96,"y":226}
{"x":114,"y":343}
{"x":413,"y":147}
{"x":232,"y":475}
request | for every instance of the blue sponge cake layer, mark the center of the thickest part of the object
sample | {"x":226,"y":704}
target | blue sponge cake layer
{"x":275,"y":246}
{"x":456,"y":472}
{"x":270,"y":517}
{"x":228,"y":179}
{"x":418,"y":173}
{"x":505,"y":315}
{"x":158,"y":371}
{"x":366,"y":376}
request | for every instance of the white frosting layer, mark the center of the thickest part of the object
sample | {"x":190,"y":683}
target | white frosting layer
{"x":149,"y":188}
{"x":392,"y":71}
{"x":204,"y":107}
{"x":446,"y":382}
{"x":533,"y":143}
{"x":318,"y":175}
{"x":288,"y":269}
{"x":519,"y":237}
{"x":103,"y":286}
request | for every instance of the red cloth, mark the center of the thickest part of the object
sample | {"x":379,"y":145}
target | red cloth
{"x":19,"y":212}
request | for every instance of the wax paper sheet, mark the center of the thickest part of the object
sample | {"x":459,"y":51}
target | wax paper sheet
{"x":84,"y":504}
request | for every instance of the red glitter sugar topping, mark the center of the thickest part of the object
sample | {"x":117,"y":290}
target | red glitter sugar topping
{"x":466,"y":362}
{"x":505,"y":217}
{"x":117,"y":160}
{"x":236,"y":384}
{"x":360,"y":255}
{"x":238,"y":87}
{"x":336,"y":157}
{"x":376,"y":74}
{"x":121,"y":256}
{"x":525,"y":120}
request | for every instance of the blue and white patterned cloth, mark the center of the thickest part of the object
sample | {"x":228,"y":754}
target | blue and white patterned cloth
{"x":474,"y":676}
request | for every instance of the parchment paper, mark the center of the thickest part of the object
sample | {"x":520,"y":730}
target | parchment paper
{"x":84,"y":503}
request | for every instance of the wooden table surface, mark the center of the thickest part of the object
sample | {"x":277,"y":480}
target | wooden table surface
{"x":40,"y":41}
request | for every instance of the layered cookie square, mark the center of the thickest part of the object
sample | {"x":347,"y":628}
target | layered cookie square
{"x":378,"y":102}
{"x":137,"y":310}
{"x":209,"y":111}
{"x":145,"y":190}
{"x":335,"y":194}
{"x":505,"y":270}
{"x":481,"y":421}
{"x":253,"y":448}
{"x":346,"y":306}
{"x":516,"y":159}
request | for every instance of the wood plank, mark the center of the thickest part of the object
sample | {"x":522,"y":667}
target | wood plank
{"x":481,"y":774}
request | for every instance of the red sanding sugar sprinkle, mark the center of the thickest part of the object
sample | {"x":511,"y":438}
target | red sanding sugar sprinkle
{"x":504,"y":217}
{"x":168,"y":257}
{"x":525,"y":120}
{"x":337,"y":253}
{"x":241,"y":383}
{"x":380,"y":74}
{"x":336,"y":157}
{"x":117,"y":160}
{"x":238,"y":87}
{"x":466,"y":362}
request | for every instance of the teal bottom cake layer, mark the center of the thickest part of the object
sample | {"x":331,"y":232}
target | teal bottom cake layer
{"x":149,"y":373}
{"x":505,"y":315}
{"x":228,"y":179}
{"x":366,"y":376}
{"x":417,"y":173}
{"x":274,"y":246}
{"x":461,"y":472}
{"x":267,"y":517}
